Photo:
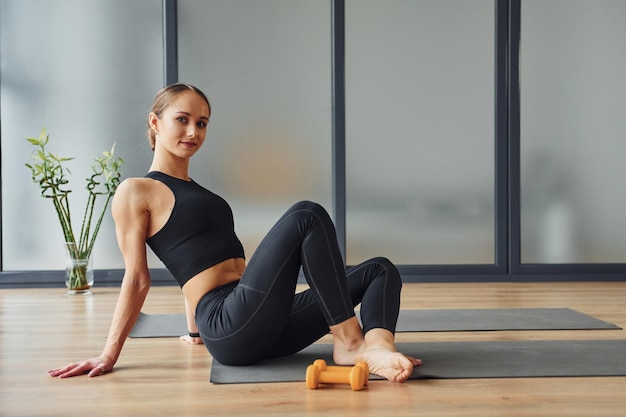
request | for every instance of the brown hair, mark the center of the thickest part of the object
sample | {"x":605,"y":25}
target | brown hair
{"x":165,"y":97}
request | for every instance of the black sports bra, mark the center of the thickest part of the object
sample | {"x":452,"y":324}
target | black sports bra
{"x":199,"y":233}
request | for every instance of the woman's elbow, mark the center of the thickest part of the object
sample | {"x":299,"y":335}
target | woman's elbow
{"x":139,"y":282}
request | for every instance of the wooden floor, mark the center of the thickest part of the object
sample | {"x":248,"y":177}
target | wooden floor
{"x":45,"y":328}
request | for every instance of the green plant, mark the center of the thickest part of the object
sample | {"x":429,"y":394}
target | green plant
{"x":49,"y":172}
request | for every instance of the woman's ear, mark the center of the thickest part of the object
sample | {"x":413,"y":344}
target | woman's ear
{"x":153,"y":122}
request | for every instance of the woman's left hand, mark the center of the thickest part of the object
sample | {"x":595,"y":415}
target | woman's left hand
{"x":93,"y":367}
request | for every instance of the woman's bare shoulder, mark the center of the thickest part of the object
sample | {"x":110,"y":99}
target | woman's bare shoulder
{"x":135,"y":185}
{"x":134,"y":192}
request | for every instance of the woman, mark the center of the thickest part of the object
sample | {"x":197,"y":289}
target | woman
{"x":242,"y":313}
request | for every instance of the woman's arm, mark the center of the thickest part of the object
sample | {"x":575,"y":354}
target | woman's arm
{"x":191,"y":326}
{"x":131,"y":215}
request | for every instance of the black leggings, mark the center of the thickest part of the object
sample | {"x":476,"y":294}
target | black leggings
{"x":261,"y":316}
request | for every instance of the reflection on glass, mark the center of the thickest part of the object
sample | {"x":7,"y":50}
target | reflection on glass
{"x":572,"y":130}
{"x":87,"y":71}
{"x":420,"y":136}
{"x":265,"y":66}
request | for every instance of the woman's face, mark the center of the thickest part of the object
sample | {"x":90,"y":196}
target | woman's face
{"x":181,"y":128}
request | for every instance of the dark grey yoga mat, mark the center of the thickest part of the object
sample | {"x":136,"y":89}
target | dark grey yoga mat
{"x":498,"y":319}
{"x":159,"y":325}
{"x":171,"y":325}
{"x":447,"y":360}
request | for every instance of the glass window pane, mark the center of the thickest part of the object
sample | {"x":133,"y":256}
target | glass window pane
{"x":265,"y":66}
{"x":87,"y":71}
{"x":420,"y":131}
{"x":573,"y":102}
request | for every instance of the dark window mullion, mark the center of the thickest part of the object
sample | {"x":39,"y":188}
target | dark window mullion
{"x":339,"y":120}
{"x":501,"y":155}
{"x":170,"y":42}
{"x":514,"y":136}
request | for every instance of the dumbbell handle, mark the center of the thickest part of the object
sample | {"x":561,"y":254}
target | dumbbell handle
{"x":330,"y":377}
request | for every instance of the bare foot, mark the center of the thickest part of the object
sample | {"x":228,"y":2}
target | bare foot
{"x":377,"y":349}
{"x":390,"y":364}
{"x":348,"y":341}
{"x":345,"y":356}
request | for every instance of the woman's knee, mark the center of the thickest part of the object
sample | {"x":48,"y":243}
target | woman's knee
{"x":310,"y":210}
{"x":389,"y":270}
{"x":309,"y":206}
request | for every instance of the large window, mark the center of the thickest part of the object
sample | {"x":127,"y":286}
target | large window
{"x":266,"y":68}
{"x":573,"y":131}
{"x":483,"y":139}
{"x":420,"y":131}
{"x":87,"y":71}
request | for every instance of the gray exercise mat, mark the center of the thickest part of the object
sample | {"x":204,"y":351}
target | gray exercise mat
{"x":159,"y":325}
{"x":498,"y":319}
{"x":173,"y":325}
{"x":458,"y":360}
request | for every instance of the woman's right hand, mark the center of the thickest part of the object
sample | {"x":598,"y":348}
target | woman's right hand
{"x":93,"y":367}
{"x":192,"y":340}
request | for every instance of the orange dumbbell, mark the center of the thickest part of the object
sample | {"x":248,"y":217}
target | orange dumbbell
{"x":321,"y":363}
{"x":318,"y":373}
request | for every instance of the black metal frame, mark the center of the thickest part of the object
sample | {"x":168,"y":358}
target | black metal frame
{"x":585,"y":272}
{"x":170,"y":42}
{"x":497,"y":271}
{"x":507,"y":258}
{"x":338,"y":47}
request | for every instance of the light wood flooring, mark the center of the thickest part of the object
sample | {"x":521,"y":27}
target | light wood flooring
{"x":45,"y":328}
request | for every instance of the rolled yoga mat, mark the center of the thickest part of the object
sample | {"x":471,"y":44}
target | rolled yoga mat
{"x":447,"y":360}
{"x":173,"y":325}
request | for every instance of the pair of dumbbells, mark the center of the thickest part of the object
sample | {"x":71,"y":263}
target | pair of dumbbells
{"x":318,"y":373}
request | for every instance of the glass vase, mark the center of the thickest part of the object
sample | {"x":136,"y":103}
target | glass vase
{"x":79,"y":276}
